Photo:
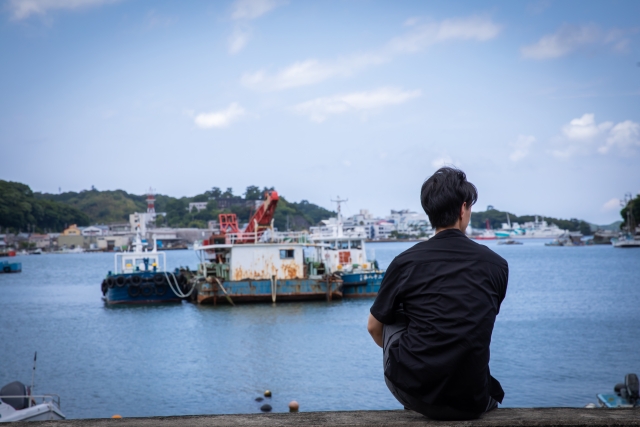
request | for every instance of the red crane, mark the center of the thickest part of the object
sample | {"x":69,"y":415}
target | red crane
{"x":258,"y":223}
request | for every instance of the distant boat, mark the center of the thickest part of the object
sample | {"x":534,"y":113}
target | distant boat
{"x":259,"y":264}
{"x":509,"y":242}
{"x":487,"y":234}
{"x":568,"y":239}
{"x":626,"y":241}
{"x":140,"y":277}
{"x":343,"y":253}
{"x":10,"y":267}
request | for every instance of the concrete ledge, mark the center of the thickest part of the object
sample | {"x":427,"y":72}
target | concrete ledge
{"x":499,"y":417}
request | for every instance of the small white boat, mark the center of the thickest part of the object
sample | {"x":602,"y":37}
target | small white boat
{"x":17,"y":403}
{"x":626,"y":241}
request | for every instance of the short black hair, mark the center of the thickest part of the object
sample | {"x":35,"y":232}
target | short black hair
{"x":443,"y":194}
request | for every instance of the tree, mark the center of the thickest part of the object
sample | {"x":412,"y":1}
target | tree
{"x":253,"y":193}
{"x":634,"y":205}
{"x":228,"y":193}
{"x":214,"y":193}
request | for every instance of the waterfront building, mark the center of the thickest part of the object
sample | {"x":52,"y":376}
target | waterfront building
{"x":112,"y":243}
{"x":402,"y":222}
{"x":95,"y":230}
{"x":72,"y":230}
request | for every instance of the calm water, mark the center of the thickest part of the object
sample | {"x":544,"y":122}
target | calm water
{"x":568,"y":329}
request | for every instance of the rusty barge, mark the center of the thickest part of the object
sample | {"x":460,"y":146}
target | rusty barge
{"x":259,"y":264}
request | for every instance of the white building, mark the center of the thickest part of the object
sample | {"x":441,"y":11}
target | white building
{"x":404,"y":222}
{"x":199,"y":206}
{"x":94,"y":231}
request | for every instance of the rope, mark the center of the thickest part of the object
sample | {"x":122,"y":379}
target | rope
{"x":176,"y":287}
{"x":225,"y":292}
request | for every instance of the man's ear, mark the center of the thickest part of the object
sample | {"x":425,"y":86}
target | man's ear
{"x":462,"y":209}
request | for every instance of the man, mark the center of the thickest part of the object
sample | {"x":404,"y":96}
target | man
{"x":436,"y":307}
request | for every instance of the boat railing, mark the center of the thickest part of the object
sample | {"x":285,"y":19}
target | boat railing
{"x":267,"y":237}
{"x":49,"y":397}
{"x":319,"y":235}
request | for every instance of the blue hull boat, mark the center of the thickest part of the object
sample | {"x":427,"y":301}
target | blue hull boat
{"x":139,"y":277}
{"x":266,"y":290}
{"x":10,"y":267}
{"x":361,"y":284}
{"x":140,"y":288}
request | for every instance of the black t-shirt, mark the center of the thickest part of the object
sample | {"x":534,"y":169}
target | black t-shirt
{"x":450,"y":289}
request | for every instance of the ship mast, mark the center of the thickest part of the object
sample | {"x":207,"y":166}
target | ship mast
{"x":338,"y":201}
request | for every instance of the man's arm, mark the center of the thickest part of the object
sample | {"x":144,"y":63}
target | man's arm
{"x":375,"y":329}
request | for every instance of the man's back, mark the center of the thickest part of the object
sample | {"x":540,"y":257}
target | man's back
{"x":450,"y":290}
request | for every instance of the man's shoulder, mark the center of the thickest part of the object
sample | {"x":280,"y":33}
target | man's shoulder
{"x":433,"y":249}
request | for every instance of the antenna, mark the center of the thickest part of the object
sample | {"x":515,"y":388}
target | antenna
{"x":33,"y":375}
{"x":338,"y":201}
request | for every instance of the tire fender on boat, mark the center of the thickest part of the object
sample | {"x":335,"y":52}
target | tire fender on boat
{"x":111,"y":282}
{"x":146,"y":290}
{"x":120,"y":281}
{"x":104,"y":287}
{"x":136,"y":280}
{"x":161,"y":290}
{"x":133,"y":291}
{"x":159,"y":279}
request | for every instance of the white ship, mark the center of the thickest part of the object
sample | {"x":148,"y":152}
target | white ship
{"x":541,"y":229}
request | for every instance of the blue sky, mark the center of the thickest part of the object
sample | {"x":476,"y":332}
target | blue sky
{"x":539,"y":102}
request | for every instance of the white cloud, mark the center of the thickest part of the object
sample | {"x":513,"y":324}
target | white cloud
{"x":611,"y":205}
{"x":583,"y":134}
{"x":219,"y":119}
{"x":238,"y":40}
{"x":521,"y":147}
{"x":570,"y":38}
{"x":623,"y":136}
{"x":309,"y":72}
{"x":313,"y":71}
{"x":252,"y":9}
{"x":584,"y":128}
{"x":472,"y":28}
{"x":244,"y":11}
{"x":22,"y":9}
{"x":320,"y":108}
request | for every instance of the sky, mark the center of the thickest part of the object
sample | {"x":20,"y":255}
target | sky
{"x":538,"y":102}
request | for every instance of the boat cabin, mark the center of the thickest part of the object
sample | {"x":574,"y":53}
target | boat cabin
{"x":276,"y":255}
{"x":139,"y":262}
{"x":342,"y":250}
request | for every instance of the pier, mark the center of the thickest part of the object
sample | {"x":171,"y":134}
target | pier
{"x":538,"y":417}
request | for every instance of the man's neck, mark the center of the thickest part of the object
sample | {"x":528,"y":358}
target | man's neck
{"x":455,"y":226}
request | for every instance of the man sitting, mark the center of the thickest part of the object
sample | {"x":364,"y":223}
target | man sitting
{"x":435,"y":311}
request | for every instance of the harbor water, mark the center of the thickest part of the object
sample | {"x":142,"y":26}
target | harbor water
{"x":568,"y":329}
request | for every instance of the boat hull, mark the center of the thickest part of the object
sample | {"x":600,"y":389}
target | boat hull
{"x":251,"y":291}
{"x":10,"y":267}
{"x":138,"y":288}
{"x":360,"y":285}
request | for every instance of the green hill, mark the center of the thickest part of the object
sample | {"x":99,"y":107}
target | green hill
{"x":20,"y":211}
{"x":114,"y":206}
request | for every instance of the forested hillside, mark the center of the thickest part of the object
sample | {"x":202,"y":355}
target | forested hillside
{"x":21,"y":211}
{"x":496,"y":218}
{"x":114,"y":206}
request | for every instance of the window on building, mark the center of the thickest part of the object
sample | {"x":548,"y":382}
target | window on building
{"x":286,"y":253}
